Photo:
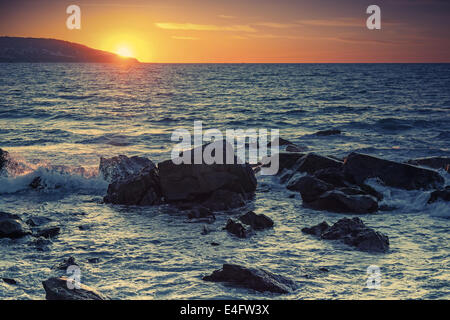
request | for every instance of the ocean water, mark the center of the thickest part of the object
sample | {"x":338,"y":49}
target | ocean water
{"x":56,"y":120}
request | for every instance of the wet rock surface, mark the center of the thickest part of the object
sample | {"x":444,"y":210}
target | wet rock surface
{"x":11,"y":226}
{"x":122,"y":167}
{"x":352,"y":232}
{"x":198,"y":182}
{"x":57,"y":288}
{"x":432,"y":162}
{"x":141,"y":189}
{"x":252,"y":278}
{"x":238,"y":229}
{"x":256,"y":221}
{"x":440,"y":195}
{"x":359,"y":167}
{"x":309,"y":187}
{"x":337,"y":201}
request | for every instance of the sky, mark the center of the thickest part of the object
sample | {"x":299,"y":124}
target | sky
{"x":242,"y":31}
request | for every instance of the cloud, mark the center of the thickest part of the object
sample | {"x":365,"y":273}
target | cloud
{"x":275,"y":36}
{"x":224,"y":16}
{"x":185,"y":38}
{"x":203,"y":27}
{"x":340,"y":22}
{"x":276,"y":25}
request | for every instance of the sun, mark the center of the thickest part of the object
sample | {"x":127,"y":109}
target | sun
{"x":124,"y":51}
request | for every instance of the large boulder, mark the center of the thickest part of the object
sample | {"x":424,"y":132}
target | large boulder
{"x":256,"y":221}
{"x":142,"y":189}
{"x":11,"y":226}
{"x":312,"y":162}
{"x":359,"y":167}
{"x":252,"y":278}
{"x":197,"y":182}
{"x":352,"y":232}
{"x":286,"y":160}
{"x":432,"y":162}
{"x":221,"y":200}
{"x":121,"y":167}
{"x":309,"y":187}
{"x":337,"y":201}
{"x":58,"y":289}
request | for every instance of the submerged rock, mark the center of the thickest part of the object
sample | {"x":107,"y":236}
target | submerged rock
{"x":142,"y":189}
{"x":9,"y":281}
{"x":337,"y":201}
{"x":328,"y":132}
{"x":359,"y":167}
{"x":201,"y":214}
{"x":197,"y":182}
{"x":432,"y":162}
{"x":47,"y":232}
{"x":252,"y":278}
{"x":11,"y":226}
{"x":352,"y":232}
{"x":318,"y":229}
{"x":256,"y":221}
{"x":70,"y":261}
{"x":37,"y":221}
{"x":443,"y":195}
{"x":58,"y":289}
{"x":238,"y":229}
{"x":122,"y":167}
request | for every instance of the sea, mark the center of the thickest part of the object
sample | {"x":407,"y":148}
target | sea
{"x":58,"y":119}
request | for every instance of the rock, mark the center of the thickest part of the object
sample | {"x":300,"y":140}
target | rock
{"x":437,"y":195}
{"x":58,"y":289}
{"x":333,"y":175}
{"x":317,"y":230}
{"x":256,"y":221}
{"x":359,"y":167}
{"x":337,"y":201}
{"x":237,"y":229}
{"x":328,"y":132}
{"x":287,"y":160}
{"x":37,"y":221}
{"x":432,"y":162}
{"x":122,"y":167}
{"x":70,"y":261}
{"x":94,"y":260}
{"x":84,"y":227}
{"x":141,"y":189}
{"x":281,"y":142}
{"x":252,"y":278}
{"x":352,"y":232}
{"x":11,"y":226}
{"x":215,"y":244}
{"x":221,"y":200}
{"x":309,"y":187}
{"x":47,"y":232}
{"x":196,"y":182}
{"x":312,"y":162}
{"x":295,"y":148}
{"x":355,"y":233}
{"x":9,"y":281}
{"x":41,"y":244}
{"x":201,"y":214}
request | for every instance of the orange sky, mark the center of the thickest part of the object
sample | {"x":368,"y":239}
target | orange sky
{"x":243,"y":31}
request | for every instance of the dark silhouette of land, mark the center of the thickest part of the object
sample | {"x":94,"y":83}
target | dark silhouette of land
{"x":17,"y":49}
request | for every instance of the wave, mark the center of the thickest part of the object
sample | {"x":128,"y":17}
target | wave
{"x":410,"y":201}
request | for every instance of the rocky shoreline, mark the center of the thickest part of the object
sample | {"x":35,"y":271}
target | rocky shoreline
{"x":200,"y":191}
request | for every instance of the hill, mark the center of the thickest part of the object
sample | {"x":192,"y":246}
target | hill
{"x":16,"y":49}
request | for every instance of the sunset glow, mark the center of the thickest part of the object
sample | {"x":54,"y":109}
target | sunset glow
{"x":235,"y":31}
